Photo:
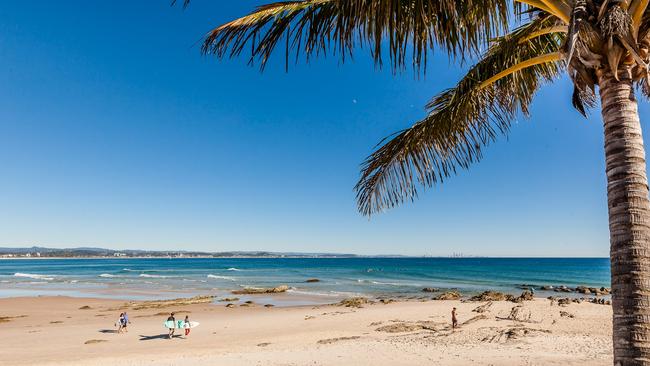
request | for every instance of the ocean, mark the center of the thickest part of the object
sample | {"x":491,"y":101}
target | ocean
{"x":155,"y":278}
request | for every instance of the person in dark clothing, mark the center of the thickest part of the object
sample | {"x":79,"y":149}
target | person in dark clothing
{"x":173,"y":328}
{"x":454,"y":320}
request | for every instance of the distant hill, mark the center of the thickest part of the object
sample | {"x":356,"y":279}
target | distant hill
{"x":85,"y":252}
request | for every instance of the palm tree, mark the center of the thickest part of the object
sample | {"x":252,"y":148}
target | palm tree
{"x":519,"y":45}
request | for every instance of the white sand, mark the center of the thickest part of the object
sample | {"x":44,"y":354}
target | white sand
{"x":323,"y":335}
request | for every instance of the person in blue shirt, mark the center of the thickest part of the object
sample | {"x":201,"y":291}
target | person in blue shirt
{"x":125,"y":321}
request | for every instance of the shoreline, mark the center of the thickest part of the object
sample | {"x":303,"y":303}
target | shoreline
{"x":79,"y":331}
{"x":359,"y":256}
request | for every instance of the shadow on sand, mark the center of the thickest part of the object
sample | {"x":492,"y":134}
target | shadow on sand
{"x":107,"y":331}
{"x":158,"y":336}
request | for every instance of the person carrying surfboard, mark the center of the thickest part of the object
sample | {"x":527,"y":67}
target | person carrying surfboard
{"x":187,"y":325}
{"x":173,"y":322}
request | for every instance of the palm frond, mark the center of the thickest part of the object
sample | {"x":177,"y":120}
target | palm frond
{"x":462,"y":120}
{"x":410,"y":29}
{"x":186,"y":3}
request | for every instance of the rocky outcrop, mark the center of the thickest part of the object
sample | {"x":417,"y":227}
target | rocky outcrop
{"x":563,"y":289}
{"x":525,"y":296}
{"x":355,"y":302}
{"x":157,"y":304}
{"x":430,"y":289}
{"x":492,"y":296}
{"x":449,"y":295}
{"x":601,"y":301}
{"x":255,"y":290}
{"x":585,"y":290}
{"x":312,"y":280}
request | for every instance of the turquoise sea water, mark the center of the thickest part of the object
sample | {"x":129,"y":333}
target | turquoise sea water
{"x":339,"y":277}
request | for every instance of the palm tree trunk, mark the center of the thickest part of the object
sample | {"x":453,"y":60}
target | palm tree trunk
{"x":629,"y":220}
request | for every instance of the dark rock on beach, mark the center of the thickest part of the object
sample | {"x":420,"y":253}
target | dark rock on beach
{"x":492,"y":296}
{"x":449,"y":295}
{"x":430,"y":289}
{"x":355,"y":302}
{"x":525,"y":296}
{"x":312,"y":280}
{"x":254,"y":290}
{"x":229,"y":299}
{"x":562,"y":289}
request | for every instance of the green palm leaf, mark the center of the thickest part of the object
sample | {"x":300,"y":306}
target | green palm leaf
{"x":408,"y":28}
{"x":462,"y":120}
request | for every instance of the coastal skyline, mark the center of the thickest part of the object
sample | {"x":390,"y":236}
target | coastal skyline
{"x":91,"y":108}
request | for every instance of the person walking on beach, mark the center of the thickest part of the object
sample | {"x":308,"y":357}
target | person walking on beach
{"x":173,"y":328}
{"x":120,"y":323}
{"x":187,"y":325}
{"x":454,"y":320}
{"x":125,"y":322}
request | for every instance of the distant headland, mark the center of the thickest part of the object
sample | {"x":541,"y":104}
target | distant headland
{"x":85,"y":252}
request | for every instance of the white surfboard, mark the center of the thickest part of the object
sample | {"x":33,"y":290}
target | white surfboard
{"x":190,"y":325}
{"x":179,"y":324}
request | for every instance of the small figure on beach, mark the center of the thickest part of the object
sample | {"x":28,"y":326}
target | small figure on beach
{"x":187,"y":325}
{"x":120,"y":323}
{"x":171,"y":329}
{"x":454,"y":320}
{"x":125,"y":321}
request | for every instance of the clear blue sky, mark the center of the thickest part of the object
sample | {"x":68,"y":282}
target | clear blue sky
{"x":115,"y":132}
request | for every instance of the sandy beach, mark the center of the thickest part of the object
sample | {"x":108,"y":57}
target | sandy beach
{"x":81,"y":331}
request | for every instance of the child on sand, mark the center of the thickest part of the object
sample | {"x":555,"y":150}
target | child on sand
{"x":454,"y":321}
{"x":186,"y":325}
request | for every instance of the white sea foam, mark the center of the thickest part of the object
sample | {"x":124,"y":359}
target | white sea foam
{"x":233,"y":269}
{"x":34,"y":276}
{"x":153,"y":276}
{"x":389,"y":283}
{"x":313,"y":293}
{"x":107,"y":275}
{"x":221,"y":277}
{"x":146,"y":270}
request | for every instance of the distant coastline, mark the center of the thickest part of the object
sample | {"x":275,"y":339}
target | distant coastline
{"x":103,"y":253}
